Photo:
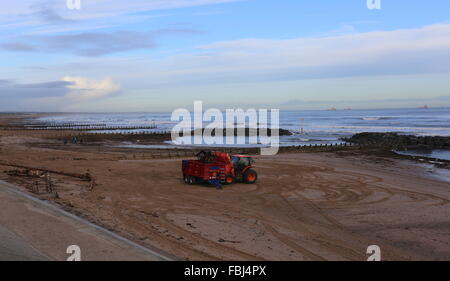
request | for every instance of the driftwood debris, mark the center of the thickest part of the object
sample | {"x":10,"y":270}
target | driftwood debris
{"x":46,"y":176}
{"x":50,"y":188}
{"x":37,"y":170}
{"x":23,"y":171}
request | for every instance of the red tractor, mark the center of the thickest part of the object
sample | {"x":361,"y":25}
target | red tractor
{"x":219,"y":168}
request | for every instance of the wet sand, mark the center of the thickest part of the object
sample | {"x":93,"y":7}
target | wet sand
{"x":305,"y":206}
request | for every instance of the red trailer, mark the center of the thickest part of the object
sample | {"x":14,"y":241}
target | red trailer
{"x":218,"y":167}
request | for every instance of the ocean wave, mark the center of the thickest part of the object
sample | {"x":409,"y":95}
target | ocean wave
{"x":375,"y":118}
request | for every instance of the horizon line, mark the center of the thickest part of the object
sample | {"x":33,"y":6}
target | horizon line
{"x":281,"y":110}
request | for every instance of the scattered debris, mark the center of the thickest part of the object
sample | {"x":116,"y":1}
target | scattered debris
{"x":45,"y":174}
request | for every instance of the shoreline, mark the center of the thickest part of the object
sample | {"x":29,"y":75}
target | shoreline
{"x":311,"y":205}
{"x":159,"y":140}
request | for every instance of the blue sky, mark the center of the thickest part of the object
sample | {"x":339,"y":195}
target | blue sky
{"x":156,"y":55}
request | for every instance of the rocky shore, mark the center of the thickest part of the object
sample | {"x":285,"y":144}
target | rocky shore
{"x":397,"y":141}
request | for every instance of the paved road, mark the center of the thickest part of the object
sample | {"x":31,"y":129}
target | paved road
{"x":14,"y":248}
{"x":31,"y":229}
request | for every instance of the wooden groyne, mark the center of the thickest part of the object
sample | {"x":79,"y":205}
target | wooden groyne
{"x":176,"y":152}
{"x":80,"y":127}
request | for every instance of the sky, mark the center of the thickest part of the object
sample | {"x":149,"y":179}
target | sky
{"x":158,"y":55}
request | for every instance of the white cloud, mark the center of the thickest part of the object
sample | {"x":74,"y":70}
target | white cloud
{"x":83,"y":89}
{"x":65,"y":94}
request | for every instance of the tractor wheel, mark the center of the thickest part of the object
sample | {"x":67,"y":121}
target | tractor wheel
{"x":250,"y":176}
{"x":186,"y":179}
{"x":192,"y":180}
{"x":229,"y":179}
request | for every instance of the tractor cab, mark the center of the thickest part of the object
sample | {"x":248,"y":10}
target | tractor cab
{"x":243,"y":171}
{"x":242,"y":161}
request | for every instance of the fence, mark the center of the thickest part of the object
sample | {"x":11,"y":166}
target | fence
{"x":155,"y":153}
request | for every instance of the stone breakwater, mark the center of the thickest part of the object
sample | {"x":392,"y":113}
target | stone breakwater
{"x":397,"y":141}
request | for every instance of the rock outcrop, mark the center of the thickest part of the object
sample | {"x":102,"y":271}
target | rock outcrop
{"x":400,"y":141}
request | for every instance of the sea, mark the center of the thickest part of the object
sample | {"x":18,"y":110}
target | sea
{"x":308,"y":126}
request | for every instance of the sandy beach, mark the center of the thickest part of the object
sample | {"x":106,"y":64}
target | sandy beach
{"x":305,"y":206}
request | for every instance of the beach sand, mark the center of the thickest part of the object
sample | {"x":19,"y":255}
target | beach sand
{"x":305,"y":206}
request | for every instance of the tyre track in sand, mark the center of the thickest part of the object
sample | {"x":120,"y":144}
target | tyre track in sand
{"x":165,"y":230}
{"x":326,"y":240}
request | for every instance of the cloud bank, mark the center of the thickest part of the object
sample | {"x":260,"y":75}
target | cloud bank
{"x":407,"y":51}
{"x":91,"y":44}
{"x":55,"y":95}
{"x":291,"y":63}
{"x":423,"y":50}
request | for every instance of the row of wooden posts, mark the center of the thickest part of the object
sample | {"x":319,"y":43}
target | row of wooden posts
{"x":179,"y":153}
{"x":110,"y":129}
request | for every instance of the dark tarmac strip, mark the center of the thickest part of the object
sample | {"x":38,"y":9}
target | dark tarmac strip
{"x":14,"y":248}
